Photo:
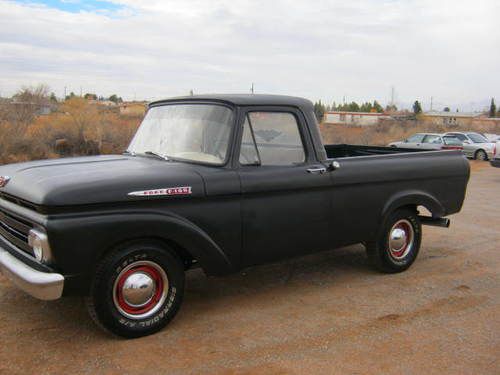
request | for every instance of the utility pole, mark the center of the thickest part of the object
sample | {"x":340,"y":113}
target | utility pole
{"x":65,"y":93}
{"x":392,"y":95}
{"x":431,"y":102}
{"x":251,"y":89}
{"x":81,"y":91}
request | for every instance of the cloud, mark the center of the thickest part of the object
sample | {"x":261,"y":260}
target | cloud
{"x":323,"y":49}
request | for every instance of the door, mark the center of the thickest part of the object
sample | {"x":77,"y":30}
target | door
{"x":286,"y":199}
{"x":414,"y":141}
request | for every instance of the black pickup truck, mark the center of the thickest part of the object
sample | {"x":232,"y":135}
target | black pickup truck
{"x":221,"y":182}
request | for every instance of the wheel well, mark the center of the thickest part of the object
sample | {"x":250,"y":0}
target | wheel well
{"x":420,"y":209}
{"x":184,"y":255}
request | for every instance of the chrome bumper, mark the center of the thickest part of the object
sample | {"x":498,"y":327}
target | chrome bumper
{"x":41,"y":285}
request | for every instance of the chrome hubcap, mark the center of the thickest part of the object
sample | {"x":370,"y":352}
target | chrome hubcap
{"x":401,"y":239}
{"x":140,"y":289}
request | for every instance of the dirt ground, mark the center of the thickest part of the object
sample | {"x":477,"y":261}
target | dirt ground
{"x":328,"y":313}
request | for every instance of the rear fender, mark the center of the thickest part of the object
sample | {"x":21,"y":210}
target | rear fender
{"x":414,"y":198}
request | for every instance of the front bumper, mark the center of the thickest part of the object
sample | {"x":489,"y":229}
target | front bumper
{"x":41,"y":285}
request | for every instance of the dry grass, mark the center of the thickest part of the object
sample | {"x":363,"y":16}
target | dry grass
{"x":77,"y":128}
{"x":81,"y":128}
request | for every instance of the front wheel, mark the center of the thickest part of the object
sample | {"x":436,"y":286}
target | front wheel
{"x":398,"y":242}
{"x":481,"y":155}
{"x":137,"y":289}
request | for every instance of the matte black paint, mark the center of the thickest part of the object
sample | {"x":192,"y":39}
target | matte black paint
{"x":236,"y":216}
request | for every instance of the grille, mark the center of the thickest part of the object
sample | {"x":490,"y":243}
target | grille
{"x":15,"y":230}
{"x":18,"y":201}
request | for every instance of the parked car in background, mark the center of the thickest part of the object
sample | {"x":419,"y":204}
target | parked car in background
{"x":429,"y":141}
{"x":491,"y":137}
{"x":475,"y":145}
{"x":495,"y":162}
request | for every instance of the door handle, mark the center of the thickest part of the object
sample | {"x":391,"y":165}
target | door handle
{"x":318,"y":170}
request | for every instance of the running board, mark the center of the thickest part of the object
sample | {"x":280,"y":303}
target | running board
{"x":435,"y":221}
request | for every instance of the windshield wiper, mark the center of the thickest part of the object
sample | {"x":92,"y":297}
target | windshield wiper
{"x":127,"y":152}
{"x":160,"y":156}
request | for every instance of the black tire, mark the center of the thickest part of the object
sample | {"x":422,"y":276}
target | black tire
{"x":391,"y":259}
{"x":146,"y":263}
{"x":481,"y":155}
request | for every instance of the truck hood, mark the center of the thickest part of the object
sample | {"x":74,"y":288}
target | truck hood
{"x":99,"y":179}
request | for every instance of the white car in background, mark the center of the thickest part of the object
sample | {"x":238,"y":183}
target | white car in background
{"x":496,"y":159}
{"x":492,"y":137}
{"x":476,"y":146}
{"x":429,"y":141}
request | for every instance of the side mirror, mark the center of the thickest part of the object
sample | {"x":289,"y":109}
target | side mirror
{"x":405,"y":140}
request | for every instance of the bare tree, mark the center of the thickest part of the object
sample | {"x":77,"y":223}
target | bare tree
{"x":27,"y":102}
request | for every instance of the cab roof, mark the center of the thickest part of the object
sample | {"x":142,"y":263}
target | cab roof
{"x":242,"y":100}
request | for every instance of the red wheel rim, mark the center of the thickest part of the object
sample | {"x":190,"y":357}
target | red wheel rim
{"x":147,"y":283}
{"x":401,"y":238}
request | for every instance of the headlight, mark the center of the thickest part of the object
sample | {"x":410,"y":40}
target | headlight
{"x":38,"y":241}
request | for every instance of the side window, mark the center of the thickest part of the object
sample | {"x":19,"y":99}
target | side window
{"x":416,"y":138}
{"x":459,"y":136}
{"x":275,"y":137}
{"x":432,"y":139}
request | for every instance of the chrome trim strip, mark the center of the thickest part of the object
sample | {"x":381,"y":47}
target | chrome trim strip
{"x":178,"y":190}
{"x":41,"y":285}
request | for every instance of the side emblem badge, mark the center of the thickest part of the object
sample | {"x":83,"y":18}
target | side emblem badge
{"x":180,"y":190}
{"x":4,"y":180}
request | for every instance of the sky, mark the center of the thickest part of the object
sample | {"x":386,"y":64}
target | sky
{"x":330,"y":50}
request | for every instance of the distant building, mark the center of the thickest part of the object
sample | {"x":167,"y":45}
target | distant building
{"x":133,"y":108}
{"x":353,"y":118}
{"x":488,"y":121}
{"x":39,"y":109}
{"x":449,"y":118}
{"x":103,"y":103}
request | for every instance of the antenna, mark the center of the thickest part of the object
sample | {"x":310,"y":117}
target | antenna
{"x":251,"y":89}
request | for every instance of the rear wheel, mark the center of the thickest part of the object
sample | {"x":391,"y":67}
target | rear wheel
{"x":481,"y":155}
{"x":137,"y":290}
{"x":398,"y":242}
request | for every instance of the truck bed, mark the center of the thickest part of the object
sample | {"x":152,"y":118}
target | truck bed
{"x":344,"y":150}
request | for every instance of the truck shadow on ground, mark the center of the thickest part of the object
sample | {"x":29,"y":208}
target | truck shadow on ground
{"x":67,"y":317}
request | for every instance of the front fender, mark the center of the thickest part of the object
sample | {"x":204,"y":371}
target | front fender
{"x":78,"y":242}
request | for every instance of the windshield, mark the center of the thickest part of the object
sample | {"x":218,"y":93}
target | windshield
{"x":477,"y":138}
{"x":192,"y":132}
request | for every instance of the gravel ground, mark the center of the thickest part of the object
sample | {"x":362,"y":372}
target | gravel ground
{"x":323,"y":314}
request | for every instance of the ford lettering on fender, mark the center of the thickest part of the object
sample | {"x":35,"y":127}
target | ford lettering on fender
{"x":221,"y":182}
